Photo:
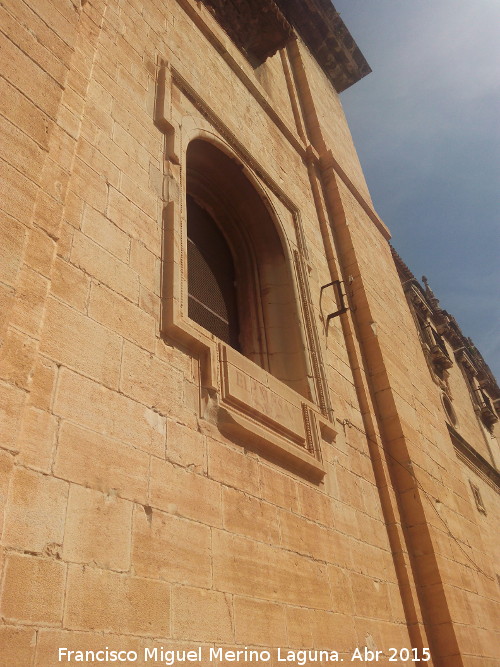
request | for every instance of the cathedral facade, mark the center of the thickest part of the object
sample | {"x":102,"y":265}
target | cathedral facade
{"x":234,"y":426}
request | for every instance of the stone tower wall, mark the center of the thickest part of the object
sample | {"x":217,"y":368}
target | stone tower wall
{"x":149,"y":496}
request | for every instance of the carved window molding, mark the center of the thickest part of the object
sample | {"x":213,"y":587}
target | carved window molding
{"x":483,"y":405}
{"x":474,"y":461}
{"x":477,"y":498}
{"x":449,"y":409}
{"x":248,"y":401}
{"x":433,"y":343}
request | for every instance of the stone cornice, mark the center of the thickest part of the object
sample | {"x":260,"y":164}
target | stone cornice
{"x":327,"y":37}
{"x":257,"y":27}
{"x":261,"y":27}
{"x":464,"y":349}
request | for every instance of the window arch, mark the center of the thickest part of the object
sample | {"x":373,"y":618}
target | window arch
{"x":234,"y":246}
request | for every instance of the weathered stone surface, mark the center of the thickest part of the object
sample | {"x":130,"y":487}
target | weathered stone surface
{"x":99,"y":531}
{"x":169,"y":548}
{"x":199,"y":614}
{"x":36,"y":515}
{"x":107,"y":465}
{"x":33,"y":590}
{"x":17,"y":645}
{"x":150,"y":486}
{"x":127,"y":605}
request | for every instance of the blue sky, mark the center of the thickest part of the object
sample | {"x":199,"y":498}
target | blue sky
{"x":426,"y":124}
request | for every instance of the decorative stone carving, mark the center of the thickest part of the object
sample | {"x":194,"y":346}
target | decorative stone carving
{"x":486,"y":409}
{"x":436,"y":326}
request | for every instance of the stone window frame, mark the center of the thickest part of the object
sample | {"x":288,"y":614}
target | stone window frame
{"x":476,"y":493}
{"x":483,"y":405}
{"x":245,"y":401}
{"x":433,"y":344}
{"x":268,"y":304}
{"x":449,"y":409}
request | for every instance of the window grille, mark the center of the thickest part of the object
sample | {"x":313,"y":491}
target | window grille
{"x":211,"y":277}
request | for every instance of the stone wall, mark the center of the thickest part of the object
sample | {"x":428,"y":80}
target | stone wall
{"x":146,"y":500}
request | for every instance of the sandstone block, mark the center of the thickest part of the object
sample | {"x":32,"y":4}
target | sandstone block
{"x":315,"y":505}
{"x":333,"y":631}
{"x":97,"y":529}
{"x":36,"y":512}
{"x":37,"y":439}
{"x":80,"y":343}
{"x":259,"y":623}
{"x":118,"y":314}
{"x":170,"y":548}
{"x":18,"y":195}
{"x":83,"y":177}
{"x":130,"y":219}
{"x":7,"y":295}
{"x":19,"y":150}
{"x":111,"y":602}
{"x":27,"y":312}
{"x":89,"y":153}
{"x":381,"y":634}
{"x":185,"y":493}
{"x":350,"y":488}
{"x":150,"y":303}
{"x":303,"y":536}
{"x":342,"y":601}
{"x":249,"y":568}
{"x":6,"y":467}
{"x":279,"y":489}
{"x":11,"y":403}
{"x":33,"y":590}
{"x":107,"y":465}
{"x":103,"y":410}
{"x":232,"y":467}
{"x":141,"y":195}
{"x":186,"y":447}
{"x":48,"y":213}
{"x":345,"y":518}
{"x":372,"y":561}
{"x":101,"y":230}
{"x":101,"y":264}
{"x":17,"y":646}
{"x":30,"y":79}
{"x":42,"y":384}
{"x":201,"y":615}
{"x":13,"y":236}
{"x":299,"y":627}
{"x":248,"y":516}
{"x":145,"y":263}
{"x":18,"y":358}
{"x":65,"y":243}
{"x":371,"y":597}
{"x":21,"y":111}
{"x":40,"y":251}
{"x":150,"y":381}
{"x":73,"y":209}
{"x":70,"y":284}
{"x":127,"y":118}
{"x":339,"y":546}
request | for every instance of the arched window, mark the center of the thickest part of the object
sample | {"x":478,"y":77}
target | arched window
{"x":240,"y":283}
